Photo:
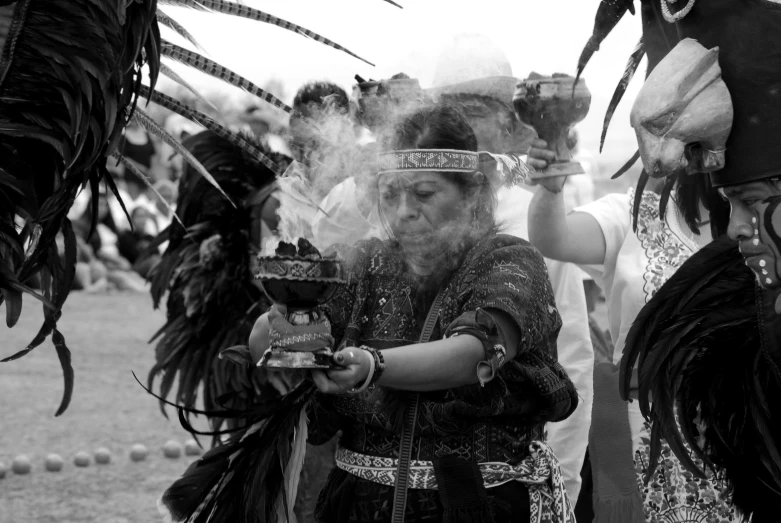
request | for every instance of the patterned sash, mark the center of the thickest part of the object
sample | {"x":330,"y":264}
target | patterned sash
{"x":540,"y":472}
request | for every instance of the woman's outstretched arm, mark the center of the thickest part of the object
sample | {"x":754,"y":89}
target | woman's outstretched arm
{"x":436,"y":365}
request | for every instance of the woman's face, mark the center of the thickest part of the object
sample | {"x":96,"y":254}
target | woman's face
{"x":424,"y":210}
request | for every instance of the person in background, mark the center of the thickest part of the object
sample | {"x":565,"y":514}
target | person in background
{"x":138,"y":147}
{"x":134,"y":244}
{"x":630,"y":266}
{"x":579,"y":191}
{"x":324,"y":142}
{"x":91,"y":274}
{"x":102,"y":246}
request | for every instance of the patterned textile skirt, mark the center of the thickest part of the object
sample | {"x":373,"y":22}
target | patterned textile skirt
{"x":674,"y":495}
{"x":348,"y":498}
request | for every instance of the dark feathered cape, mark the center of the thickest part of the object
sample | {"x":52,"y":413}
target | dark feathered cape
{"x":706,"y":349}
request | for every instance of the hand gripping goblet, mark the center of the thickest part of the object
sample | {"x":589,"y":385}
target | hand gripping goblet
{"x":552,"y":105}
{"x":302,"y":282}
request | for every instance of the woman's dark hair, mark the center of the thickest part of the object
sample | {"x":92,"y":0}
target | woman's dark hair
{"x":443,"y":126}
{"x":439,"y":126}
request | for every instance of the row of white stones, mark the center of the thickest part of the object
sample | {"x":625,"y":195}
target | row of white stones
{"x":54,"y":462}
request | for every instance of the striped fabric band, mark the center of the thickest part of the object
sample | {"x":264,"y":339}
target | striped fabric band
{"x":540,"y":472}
{"x":501,"y":169}
{"x":446,"y":160}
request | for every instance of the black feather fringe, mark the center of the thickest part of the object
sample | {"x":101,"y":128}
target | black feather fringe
{"x":705,"y":375}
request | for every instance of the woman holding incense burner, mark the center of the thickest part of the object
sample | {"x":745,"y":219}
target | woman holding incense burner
{"x":446,"y":337}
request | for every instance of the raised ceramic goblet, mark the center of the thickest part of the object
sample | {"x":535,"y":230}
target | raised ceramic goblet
{"x":553,"y":105}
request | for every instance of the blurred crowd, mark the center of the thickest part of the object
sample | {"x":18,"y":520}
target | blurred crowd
{"x":119,"y":250}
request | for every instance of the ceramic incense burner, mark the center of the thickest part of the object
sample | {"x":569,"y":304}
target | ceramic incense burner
{"x":302,"y":280}
{"x":553,"y":105}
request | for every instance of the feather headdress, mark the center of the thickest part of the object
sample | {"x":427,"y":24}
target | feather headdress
{"x":71,"y":73}
{"x":708,"y":377}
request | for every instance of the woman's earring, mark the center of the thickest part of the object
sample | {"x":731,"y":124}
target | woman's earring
{"x":475,"y":219}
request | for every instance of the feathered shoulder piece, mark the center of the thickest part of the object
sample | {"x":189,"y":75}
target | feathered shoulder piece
{"x":706,"y":375}
{"x":71,"y":73}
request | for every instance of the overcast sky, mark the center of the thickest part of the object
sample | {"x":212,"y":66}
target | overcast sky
{"x":545,"y":36}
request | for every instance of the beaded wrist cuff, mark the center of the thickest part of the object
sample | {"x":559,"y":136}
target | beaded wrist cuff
{"x":379,"y":363}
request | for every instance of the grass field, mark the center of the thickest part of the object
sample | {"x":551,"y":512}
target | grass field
{"x":108,"y":336}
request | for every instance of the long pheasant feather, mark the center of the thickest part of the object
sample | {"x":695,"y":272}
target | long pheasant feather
{"x":631,"y":66}
{"x":209,"y":123}
{"x":173,"y":75}
{"x":212,"y":68}
{"x":230,"y":8}
{"x":153,"y":127}
{"x":177,"y":28}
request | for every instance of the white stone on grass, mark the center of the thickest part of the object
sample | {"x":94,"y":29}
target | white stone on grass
{"x":21,"y":465}
{"x":191,"y":448}
{"x":82,"y":459}
{"x":54,"y":463}
{"x":102,"y":456}
{"x":138,"y":452}
{"x":172,"y":449}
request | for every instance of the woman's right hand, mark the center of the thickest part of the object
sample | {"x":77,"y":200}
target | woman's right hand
{"x":539,"y":158}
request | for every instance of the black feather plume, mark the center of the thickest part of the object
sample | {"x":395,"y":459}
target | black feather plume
{"x":249,"y":478}
{"x":609,"y":14}
{"x":628,"y":165}
{"x":641,"y":183}
{"x":705,"y":375}
{"x":629,"y":71}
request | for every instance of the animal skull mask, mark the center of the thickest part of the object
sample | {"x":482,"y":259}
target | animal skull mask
{"x":683,"y":114}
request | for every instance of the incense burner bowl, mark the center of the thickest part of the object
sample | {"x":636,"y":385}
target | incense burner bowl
{"x":303,"y":284}
{"x":553,"y":105}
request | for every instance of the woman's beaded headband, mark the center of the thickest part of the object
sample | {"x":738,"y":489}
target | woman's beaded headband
{"x":447,"y":160}
{"x":502,"y":169}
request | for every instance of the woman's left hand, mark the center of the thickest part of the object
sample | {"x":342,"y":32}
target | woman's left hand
{"x":355,"y":364}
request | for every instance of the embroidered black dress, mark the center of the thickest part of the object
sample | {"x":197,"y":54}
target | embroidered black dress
{"x":379,"y":307}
